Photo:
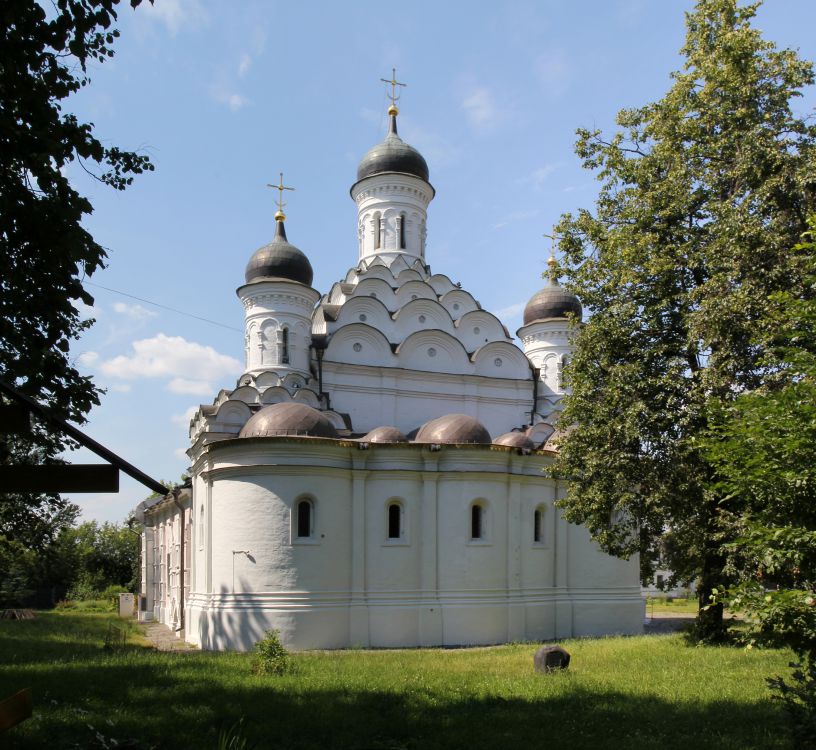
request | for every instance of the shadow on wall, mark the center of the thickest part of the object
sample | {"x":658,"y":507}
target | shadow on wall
{"x":233,"y":627}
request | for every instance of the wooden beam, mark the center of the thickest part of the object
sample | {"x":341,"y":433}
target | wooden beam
{"x":59,"y":478}
{"x":15,"y":709}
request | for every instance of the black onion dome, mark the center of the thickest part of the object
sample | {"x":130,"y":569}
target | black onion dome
{"x":288,"y":418}
{"x":552,"y":302}
{"x":279,"y":260}
{"x":393,"y":155}
{"x":453,"y":428}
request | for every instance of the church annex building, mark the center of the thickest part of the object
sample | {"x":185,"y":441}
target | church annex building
{"x":375,"y":478}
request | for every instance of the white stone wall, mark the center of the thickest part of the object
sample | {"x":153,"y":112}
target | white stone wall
{"x":394,"y":204}
{"x":350,"y":585}
{"x":274,"y":310}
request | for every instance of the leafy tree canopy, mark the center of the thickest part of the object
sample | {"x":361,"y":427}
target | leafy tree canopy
{"x":45,"y":252}
{"x":703,"y":194}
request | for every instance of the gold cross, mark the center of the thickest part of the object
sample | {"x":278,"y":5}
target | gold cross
{"x":552,"y":262}
{"x":393,"y":96}
{"x":280,"y":188}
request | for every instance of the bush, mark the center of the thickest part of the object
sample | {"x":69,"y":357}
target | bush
{"x":271,"y":656}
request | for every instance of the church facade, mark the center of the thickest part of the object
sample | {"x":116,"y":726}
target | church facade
{"x":377,"y":476}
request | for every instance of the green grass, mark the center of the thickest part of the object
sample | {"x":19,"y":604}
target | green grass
{"x":662,"y":605}
{"x":637,"y":692}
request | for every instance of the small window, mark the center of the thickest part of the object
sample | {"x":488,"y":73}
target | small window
{"x":538,"y":526}
{"x":304,"y":519}
{"x":394,"y":521}
{"x":377,"y":231}
{"x":476,"y":522}
{"x":402,"y":231}
{"x":285,"y":346}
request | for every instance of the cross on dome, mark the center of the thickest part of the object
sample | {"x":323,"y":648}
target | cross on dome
{"x":280,"y":187}
{"x":393,"y":96}
{"x":552,"y":272}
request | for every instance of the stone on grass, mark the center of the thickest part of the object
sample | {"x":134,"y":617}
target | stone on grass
{"x":551,"y":658}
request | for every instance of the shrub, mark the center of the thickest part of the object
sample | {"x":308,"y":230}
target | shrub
{"x":271,"y":656}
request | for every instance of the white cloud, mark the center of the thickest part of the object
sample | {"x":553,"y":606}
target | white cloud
{"x":553,"y":72}
{"x":135,"y":312}
{"x":165,"y":356}
{"x":86,"y":312}
{"x":120,"y":388}
{"x":174,"y":14}
{"x":229,"y":97}
{"x":511,"y":311}
{"x":184,"y":419}
{"x":181,"y":453}
{"x":480,"y":108}
{"x":244,"y":65}
{"x":88,"y":359}
{"x":191,"y":387}
{"x":515,"y":216}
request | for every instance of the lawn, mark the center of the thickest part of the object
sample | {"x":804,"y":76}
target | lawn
{"x":641,"y":692}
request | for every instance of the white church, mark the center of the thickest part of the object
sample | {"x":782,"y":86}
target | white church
{"x":376,"y":476}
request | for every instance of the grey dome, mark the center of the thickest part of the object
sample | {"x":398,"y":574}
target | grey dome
{"x":453,"y":428}
{"x":515,"y":440}
{"x":393,"y":155}
{"x":552,"y":302}
{"x":385,"y":434}
{"x":288,"y":418}
{"x":279,"y":260}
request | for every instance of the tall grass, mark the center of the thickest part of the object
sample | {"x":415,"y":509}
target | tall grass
{"x":618,"y":693}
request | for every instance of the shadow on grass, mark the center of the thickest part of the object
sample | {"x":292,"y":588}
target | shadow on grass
{"x":172,"y":701}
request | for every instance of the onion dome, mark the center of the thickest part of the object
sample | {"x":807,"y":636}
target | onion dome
{"x":385,"y":434}
{"x":552,"y":301}
{"x":288,"y":418}
{"x":279,"y":260}
{"x":515,"y":440}
{"x":393,"y":155}
{"x":453,"y":428}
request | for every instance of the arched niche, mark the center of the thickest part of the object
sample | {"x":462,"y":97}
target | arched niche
{"x":358,"y":343}
{"x":433,"y":351}
{"x":501,"y":359}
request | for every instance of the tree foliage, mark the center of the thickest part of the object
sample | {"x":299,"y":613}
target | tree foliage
{"x":45,"y":252}
{"x":703,"y":194}
{"x":763,"y":448}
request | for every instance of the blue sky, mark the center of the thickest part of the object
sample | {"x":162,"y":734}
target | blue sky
{"x":225,"y":95}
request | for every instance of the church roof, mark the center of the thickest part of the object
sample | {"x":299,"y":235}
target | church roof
{"x":515,"y":440}
{"x":453,"y":428}
{"x":280,"y":259}
{"x":552,"y":301}
{"x":392,"y":155}
{"x":288,"y":418}
{"x":385,"y":434}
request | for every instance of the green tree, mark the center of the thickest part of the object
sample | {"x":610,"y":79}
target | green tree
{"x":45,"y":252}
{"x":703,"y":194}
{"x":763,"y":447}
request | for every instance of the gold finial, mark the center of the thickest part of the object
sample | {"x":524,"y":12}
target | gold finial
{"x":280,"y":187}
{"x":393,"y":96}
{"x":552,"y":273}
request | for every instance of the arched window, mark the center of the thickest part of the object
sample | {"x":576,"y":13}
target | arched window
{"x":538,"y":525}
{"x":284,"y":346}
{"x":476,"y":521}
{"x":377,"y":230}
{"x":394,"y":521}
{"x":401,"y":226}
{"x":305,"y":519}
{"x":562,"y":366}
